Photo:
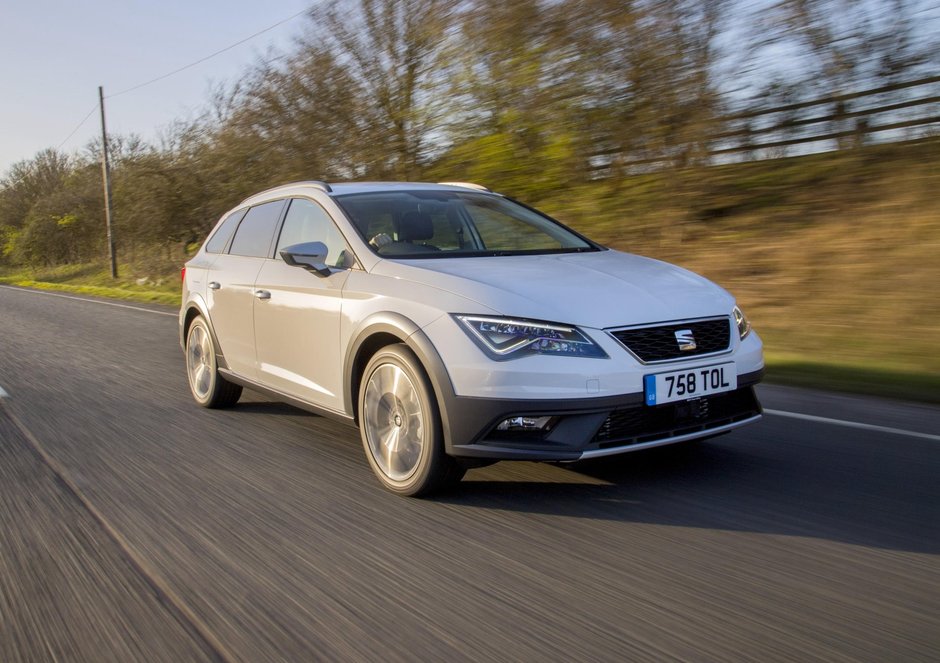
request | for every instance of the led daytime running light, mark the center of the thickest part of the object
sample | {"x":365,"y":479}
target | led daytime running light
{"x":506,"y":337}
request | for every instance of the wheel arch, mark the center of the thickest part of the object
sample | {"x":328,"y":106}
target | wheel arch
{"x":389,"y":328}
{"x":196,"y":308}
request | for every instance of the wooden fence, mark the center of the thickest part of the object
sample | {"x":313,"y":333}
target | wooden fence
{"x":827,"y":123}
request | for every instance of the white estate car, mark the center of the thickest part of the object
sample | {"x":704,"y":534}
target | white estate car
{"x":457,"y":327}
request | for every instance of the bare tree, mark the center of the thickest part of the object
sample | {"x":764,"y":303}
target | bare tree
{"x":391,"y":52}
{"x":828,"y":47}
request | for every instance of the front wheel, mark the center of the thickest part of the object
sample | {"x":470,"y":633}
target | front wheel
{"x":400,"y":425}
{"x":208,"y":387}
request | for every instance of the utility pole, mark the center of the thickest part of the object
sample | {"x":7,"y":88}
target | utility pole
{"x":106,"y":177}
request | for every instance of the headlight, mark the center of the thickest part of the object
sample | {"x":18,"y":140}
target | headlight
{"x":744,"y":327}
{"x":509,"y":338}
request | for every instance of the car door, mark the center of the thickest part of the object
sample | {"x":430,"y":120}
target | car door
{"x":297,"y":325}
{"x":231,"y":292}
{"x":197,"y":269}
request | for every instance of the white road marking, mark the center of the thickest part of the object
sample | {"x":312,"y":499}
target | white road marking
{"x":85,"y":299}
{"x":3,"y":394}
{"x":854,"y":424}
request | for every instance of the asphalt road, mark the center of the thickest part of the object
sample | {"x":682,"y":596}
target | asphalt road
{"x":135,"y":525}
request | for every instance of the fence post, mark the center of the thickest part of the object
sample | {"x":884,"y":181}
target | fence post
{"x":861,"y":129}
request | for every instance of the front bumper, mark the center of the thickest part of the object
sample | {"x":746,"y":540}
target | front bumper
{"x":592,"y":427}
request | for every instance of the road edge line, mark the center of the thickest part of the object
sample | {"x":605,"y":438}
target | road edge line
{"x":853,"y":424}
{"x":160,"y":587}
{"x":86,"y":299}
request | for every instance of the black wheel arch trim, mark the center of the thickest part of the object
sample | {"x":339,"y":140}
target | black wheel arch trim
{"x":395,"y":325}
{"x":199,"y":309}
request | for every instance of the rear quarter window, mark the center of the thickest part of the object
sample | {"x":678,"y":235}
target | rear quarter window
{"x":220,"y":237}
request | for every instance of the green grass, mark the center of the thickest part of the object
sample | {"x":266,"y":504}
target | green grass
{"x":869,"y":380}
{"x":94,"y":281}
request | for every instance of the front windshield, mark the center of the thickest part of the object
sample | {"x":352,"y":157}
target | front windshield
{"x":444,"y":224}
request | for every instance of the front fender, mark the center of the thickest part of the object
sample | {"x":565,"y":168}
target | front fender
{"x":380,"y":329}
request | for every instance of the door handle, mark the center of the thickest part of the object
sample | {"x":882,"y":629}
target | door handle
{"x":262,"y":294}
{"x":214,"y":285}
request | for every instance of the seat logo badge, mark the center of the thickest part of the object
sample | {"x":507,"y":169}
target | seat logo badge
{"x":685,"y":339}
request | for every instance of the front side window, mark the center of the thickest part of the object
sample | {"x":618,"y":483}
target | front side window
{"x":256,"y":231}
{"x":443,"y":224}
{"x":306,"y":221}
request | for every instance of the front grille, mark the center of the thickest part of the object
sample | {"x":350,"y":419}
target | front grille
{"x":660,"y":344}
{"x":636,"y":425}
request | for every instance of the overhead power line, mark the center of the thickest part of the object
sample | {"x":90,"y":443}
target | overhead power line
{"x":184,"y":68}
{"x":75,"y":130}
{"x":208,"y":57}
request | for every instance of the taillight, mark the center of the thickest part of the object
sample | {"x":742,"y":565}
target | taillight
{"x":183,"y":273}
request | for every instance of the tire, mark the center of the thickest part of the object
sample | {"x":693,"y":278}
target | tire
{"x":208,"y":387}
{"x":400,"y":425}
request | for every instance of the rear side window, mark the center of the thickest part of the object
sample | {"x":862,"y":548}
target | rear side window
{"x":220,"y":238}
{"x":255,"y":232}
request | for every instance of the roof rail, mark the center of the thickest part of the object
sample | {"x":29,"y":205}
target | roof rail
{"x":320,"y":184}
{"x":323,"y":186}
{"x":468,"y":185}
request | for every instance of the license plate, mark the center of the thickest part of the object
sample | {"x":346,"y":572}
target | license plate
{"x":690,"y":383}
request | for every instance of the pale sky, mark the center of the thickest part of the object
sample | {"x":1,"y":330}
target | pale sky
{"x":55,"y":54}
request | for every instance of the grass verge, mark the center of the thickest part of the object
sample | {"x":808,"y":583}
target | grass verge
{"x":122,"y":291}
{"x":871,"y":380}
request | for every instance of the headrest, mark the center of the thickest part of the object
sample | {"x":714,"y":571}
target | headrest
{"x":415,"y":226}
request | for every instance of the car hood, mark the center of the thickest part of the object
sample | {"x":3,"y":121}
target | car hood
{"x":597,"y":289}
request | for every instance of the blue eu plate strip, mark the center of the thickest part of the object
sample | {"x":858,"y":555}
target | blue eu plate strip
{"x":649,"y":384}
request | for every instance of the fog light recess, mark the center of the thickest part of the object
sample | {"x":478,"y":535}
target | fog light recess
{"x":527,"y":423}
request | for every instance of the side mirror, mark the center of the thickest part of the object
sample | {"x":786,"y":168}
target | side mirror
{"x":309,"y":255}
